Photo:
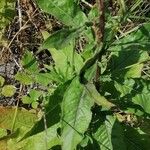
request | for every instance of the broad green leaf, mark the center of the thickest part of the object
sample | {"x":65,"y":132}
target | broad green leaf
{"x":80,"y":18}
{"x":129,"y":53}
{"x":24,"y":118}
{"x":17,"y":120}
{"x":41,"y":141}
{"x":88,"y":51}
{"x":60,"y":39}
{"x":127,"y":64}
{"x":8,"y":90}
{"x":109,"y":135}
{"x":52,"y":109}
{"x":143,"y":100}
{"x":76,"y":114}
{"x":137,"y":138}
{"x":2,"y":80}
{"x":136,"y":91}
{"x":66,"y":11}
{"x":98,"y":99}
{"x":56,"y":76}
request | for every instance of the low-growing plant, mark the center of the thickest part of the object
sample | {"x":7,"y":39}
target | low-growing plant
{"x":6,"y":90}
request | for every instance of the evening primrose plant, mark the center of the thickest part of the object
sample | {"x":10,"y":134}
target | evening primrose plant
{"x":96,"y":96}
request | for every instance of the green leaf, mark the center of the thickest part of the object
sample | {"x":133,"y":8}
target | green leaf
{"x":136,"y":91}
{"x":135,"y":71}
{"x":9,"y":14}
{"x":35,"y":94}
{"x":29,"y":62}
{"x":24,"y":78}
{"x":60,"y":39}
{"x":138,"y":39}
{"x":23,"y":120}
{"x":62,"y":68}
{"x":89,"y":48}
{"x":2,"y":80}
{"x":127,"y":64}
{"x":93,"y":14}
{"x":76,"y":114}
{"x":41,"y":141}
{"x":56,"y":75}
{"x":3,"y":132}
{"x":32,"y":98}
{"x":98,"y":99}
{"x":34,"y":105}
{"x":137,"y":138}
{"x":8,"y":90}
{"x":125,"y":87}
{"x":65,"y":11}
{"x":70,"y":63}
{"x":52,"y":109}
{"x":129,"y":53}
{"x":143,"y":100}
{"x":26,"y":100}
{"x":43,"y":78}
{"x":109,"y":135}
{"x":80,"y":18}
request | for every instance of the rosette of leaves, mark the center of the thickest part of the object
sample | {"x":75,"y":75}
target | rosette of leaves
{"x":69,"y":106}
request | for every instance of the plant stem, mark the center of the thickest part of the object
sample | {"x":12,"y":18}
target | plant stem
{"x":100,"y":37}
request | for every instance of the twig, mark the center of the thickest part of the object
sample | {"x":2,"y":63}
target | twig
{"x":45,"y":125}
{"x":87,"y":4}
{"x":146,"y":73}
{"x":101,"y":24}
{"x":19,"y":14}
{"x":16,"y":110}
